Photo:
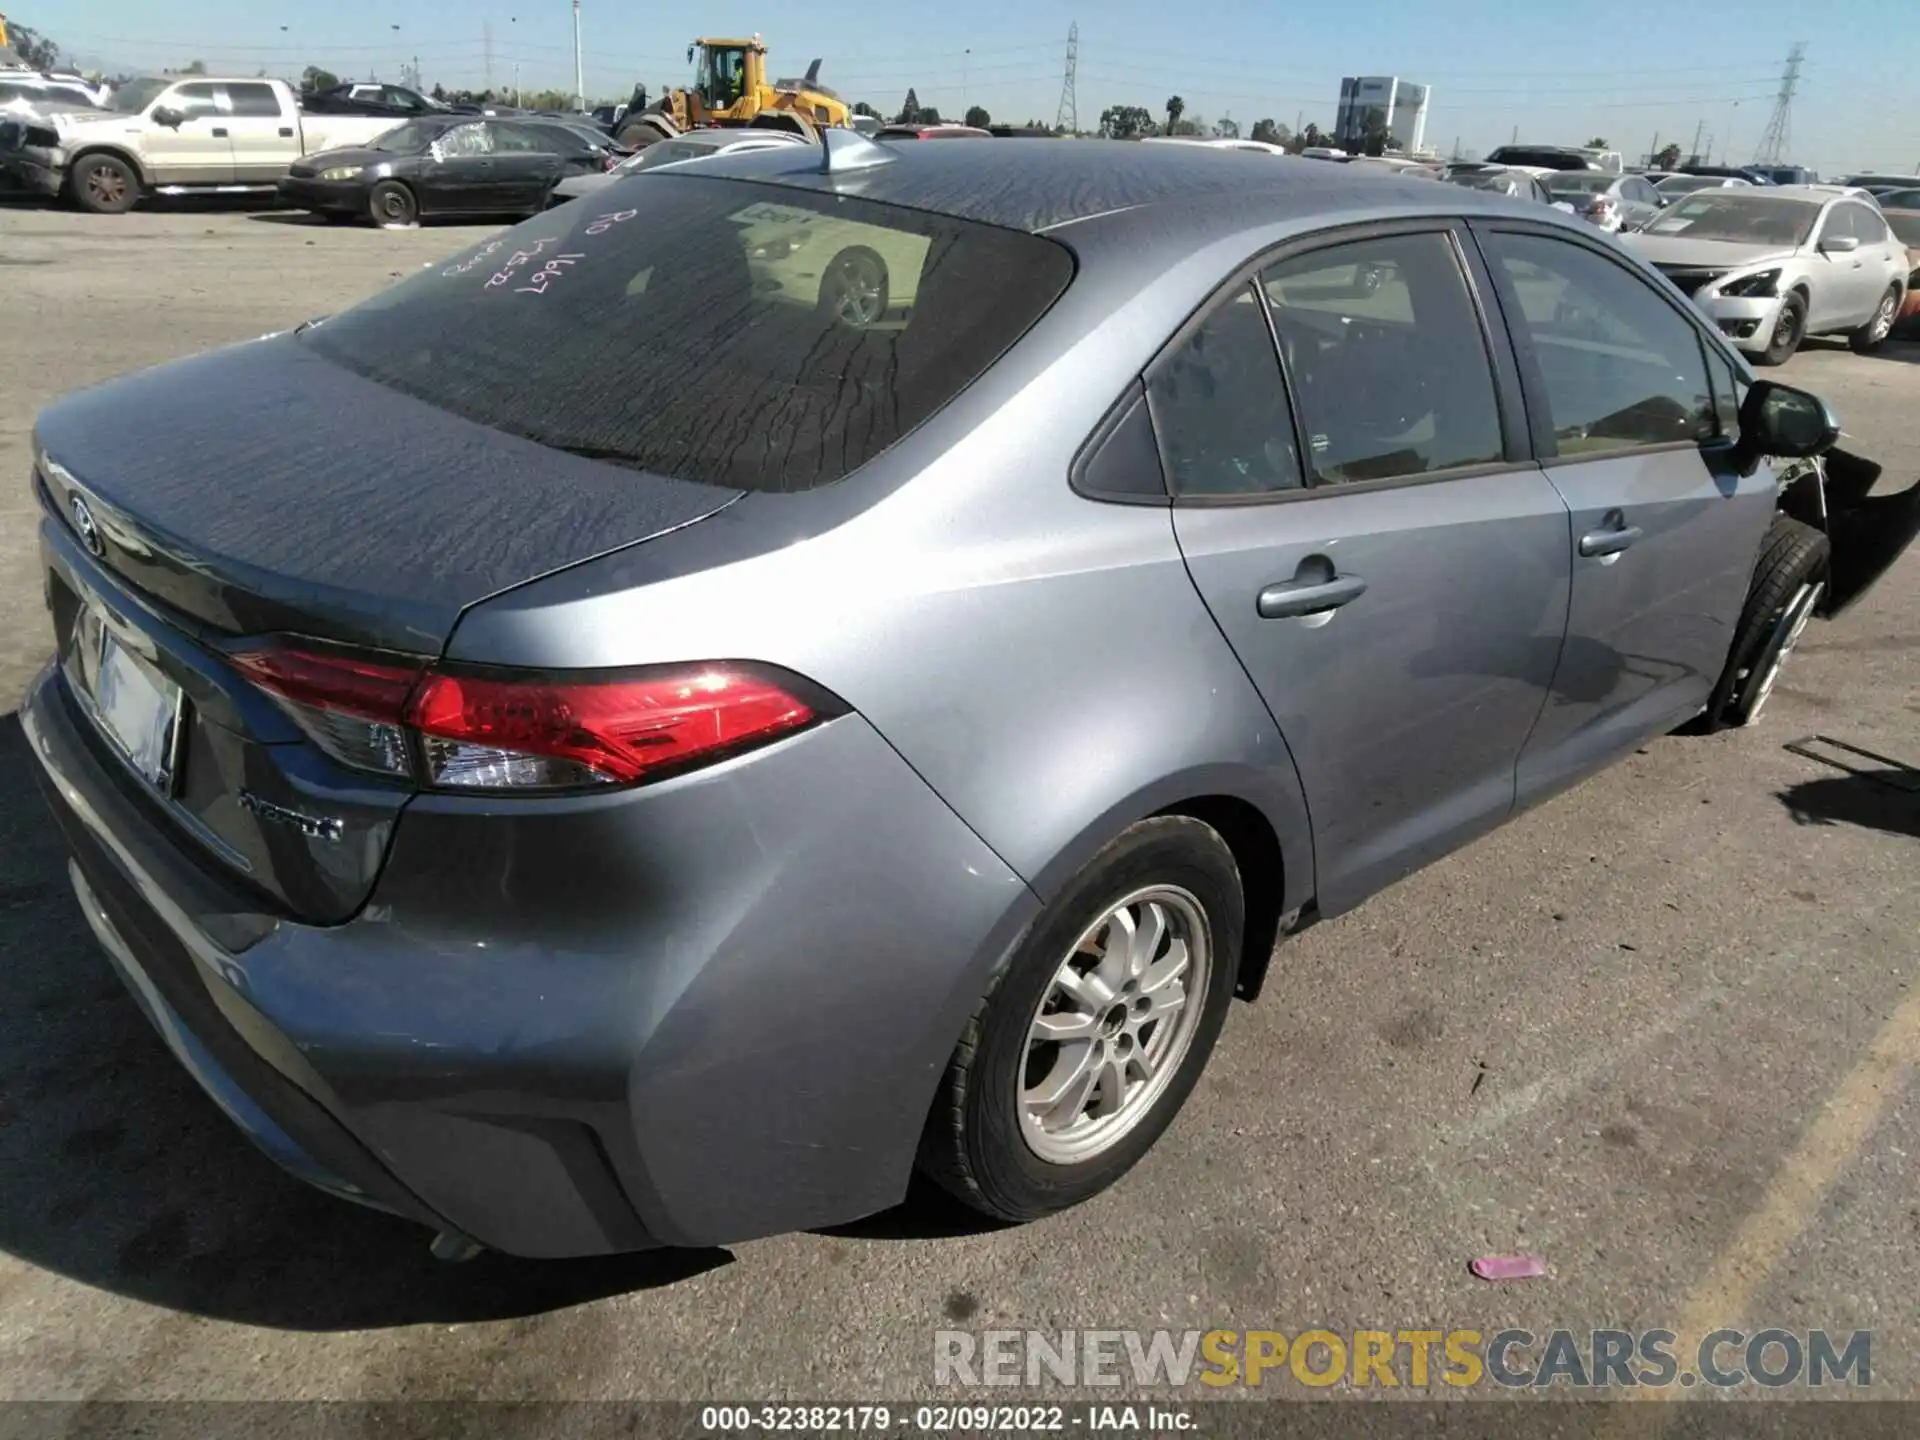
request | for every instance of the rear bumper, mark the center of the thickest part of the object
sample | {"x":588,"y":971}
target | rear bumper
{"x":692,"y":1014}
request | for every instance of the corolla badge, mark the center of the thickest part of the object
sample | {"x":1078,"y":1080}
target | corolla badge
{"x":83,"y":522}
{"x":314,"y":827}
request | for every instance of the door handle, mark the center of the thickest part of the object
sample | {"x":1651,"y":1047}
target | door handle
{"x":1282,"y":602}
{"x":286,"y":132}
{"x":1602,"y":544}
{"x":219,"y":132}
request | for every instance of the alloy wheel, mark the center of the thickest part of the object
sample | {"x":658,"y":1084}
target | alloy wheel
{"x":859,"y":291}
{"x":1883,"y":318}
{"x":106,"y":185}
{"x":1114,"y":1024}
{"x":1786,"y":634}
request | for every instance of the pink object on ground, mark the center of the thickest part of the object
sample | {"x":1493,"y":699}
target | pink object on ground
{"x":1508,"y":1267}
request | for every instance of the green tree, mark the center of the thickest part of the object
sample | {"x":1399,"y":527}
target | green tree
{"x":863,"y":108}
{"x":1668,"y":158}
{"x":31,"y":46}
{"x":1176,"y":107}
{"x":1268,"y":133}
{"x":314,"y":78}
{"x":195,"y":67}
{"x":1125,"y":122}
{"x":909,"y":109}
{"x":1375,"y":137}
{"x":978,"y":117}
{"x":1599,"y":142}
{"x":1226,"y":129}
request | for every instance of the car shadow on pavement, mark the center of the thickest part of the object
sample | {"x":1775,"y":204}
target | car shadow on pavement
{"x":117,"y":1171}
{"x":928,"y":1213}
{"x":1872,"y":799}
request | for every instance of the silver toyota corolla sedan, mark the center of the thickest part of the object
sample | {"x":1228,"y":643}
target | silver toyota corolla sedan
{"x":648,"y":731}
{"x":1772,"y":265}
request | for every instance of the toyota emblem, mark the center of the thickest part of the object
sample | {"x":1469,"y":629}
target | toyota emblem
{"x":83,"y":522}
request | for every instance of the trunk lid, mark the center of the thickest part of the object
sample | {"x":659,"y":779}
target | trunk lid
{"x":264,"y":488}
{"x":260,"y":490}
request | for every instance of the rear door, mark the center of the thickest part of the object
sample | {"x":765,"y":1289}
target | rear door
{"x":197,"y":151}
{"x":1399,"y":597}
{"x":528,"y":162}
{"x":264,"y":139}
{"x":1664,"y":531}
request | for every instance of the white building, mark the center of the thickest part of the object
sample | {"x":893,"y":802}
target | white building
{"x":1400,"y":104}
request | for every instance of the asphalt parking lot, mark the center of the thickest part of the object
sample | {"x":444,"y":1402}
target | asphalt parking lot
{"x":1661,"y":1032}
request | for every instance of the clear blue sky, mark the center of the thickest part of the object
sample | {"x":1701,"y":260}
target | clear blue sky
{"x":1626,"y":70}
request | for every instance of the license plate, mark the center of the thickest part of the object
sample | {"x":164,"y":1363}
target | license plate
{"x":137,"y":708}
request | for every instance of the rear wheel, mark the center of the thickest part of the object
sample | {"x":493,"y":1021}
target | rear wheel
{"x":1789,"y":580}
{"x":1870,"y":336}
{"x":1788,"y":331}
{"x":1093,"y":1036}
{"x":104,"y":184}
{"x":392,"y":206}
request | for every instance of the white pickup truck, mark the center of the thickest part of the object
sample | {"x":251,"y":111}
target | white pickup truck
{"x":174,"y":135}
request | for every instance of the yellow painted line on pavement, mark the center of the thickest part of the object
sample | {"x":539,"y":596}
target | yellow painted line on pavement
{"x":1789,"y":1204}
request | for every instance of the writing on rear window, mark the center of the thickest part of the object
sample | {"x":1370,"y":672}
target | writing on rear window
{"x":475,"y":260}
{"x":538,"y":280}
{"x":516,"y":261}
{"x":606,"y":222}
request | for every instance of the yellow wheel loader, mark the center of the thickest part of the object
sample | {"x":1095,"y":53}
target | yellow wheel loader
{"x":730,"y":87}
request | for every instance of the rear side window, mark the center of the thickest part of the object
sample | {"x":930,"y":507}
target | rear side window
{"x":1619,"y":365}
{"x":1220,"y":408}
{"x":1388,"y":362}
{"x":717,"y":330}
{"x":253,"y":100}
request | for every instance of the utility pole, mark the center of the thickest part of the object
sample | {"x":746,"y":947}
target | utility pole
{"x":486,"y":49}
{"x":579,"y":72}
{"x":516,"y":83}
{"x":1516,"y":136}
{"x":1695,"y":154}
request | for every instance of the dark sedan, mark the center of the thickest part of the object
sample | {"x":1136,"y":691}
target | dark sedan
{"x":445,"y":165}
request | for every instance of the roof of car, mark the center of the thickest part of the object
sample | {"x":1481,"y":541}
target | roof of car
{"x":1027,"y":186}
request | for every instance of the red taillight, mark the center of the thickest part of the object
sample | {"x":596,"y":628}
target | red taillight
{"x":490,"y":731}
{"x":598,"y":731}
{"x":371,"y":689}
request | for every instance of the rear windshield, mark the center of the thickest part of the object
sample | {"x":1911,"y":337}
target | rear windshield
{"x":739,"y":334}
{"x":1545,"y":159}
{"x":1581,"y":182}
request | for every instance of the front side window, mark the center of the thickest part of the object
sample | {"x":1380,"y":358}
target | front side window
{"x":194,"y":100}
{"x":1220,"y":408}
{"x":1620,"y":366}
{"x":1389,"y":365}
{"x":744,"y":335}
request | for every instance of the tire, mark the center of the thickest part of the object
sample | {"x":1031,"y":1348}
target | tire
{"x":855,"y":288}
{"x":984,"y":1141}
{"x":642,"y":133}
{"x":1872,"y":335}
{"x":392,"y":206}
{"x":1789,"y":579}
{"x":104,"y":184}
{"x":1788,"y":331}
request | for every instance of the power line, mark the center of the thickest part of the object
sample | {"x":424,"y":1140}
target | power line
{"x":1067,"y":120}
{"x":1778,"y":136}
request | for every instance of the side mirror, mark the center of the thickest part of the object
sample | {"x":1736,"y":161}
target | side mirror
{"x":168,"y":116}
{"x":1839,"y":245}
{"x":1786,"y":423}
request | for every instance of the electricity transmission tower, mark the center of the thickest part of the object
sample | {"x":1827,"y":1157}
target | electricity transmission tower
{"x":1067,"y":121}
{"x":1777,"y":138}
